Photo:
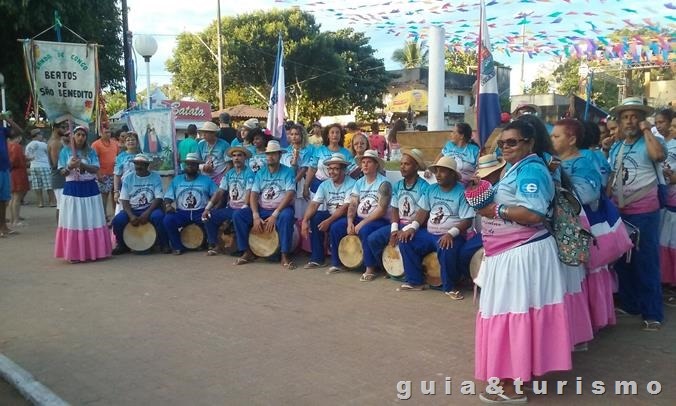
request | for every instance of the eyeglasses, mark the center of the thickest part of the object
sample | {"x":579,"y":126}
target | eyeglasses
{"x":510,"y":142}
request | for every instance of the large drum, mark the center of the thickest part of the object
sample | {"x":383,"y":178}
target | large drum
{"x":393,"y":262}
{"x":350,"y":251}
{"x":139,"y":238}
{"x":227,"y":244}
{"x":192,"y":236}
{"x":267,"y":244}
{"x":432,"y":269}
{"x":475,"y":263}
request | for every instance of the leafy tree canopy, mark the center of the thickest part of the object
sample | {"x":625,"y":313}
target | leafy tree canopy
{"x":414,"y":54}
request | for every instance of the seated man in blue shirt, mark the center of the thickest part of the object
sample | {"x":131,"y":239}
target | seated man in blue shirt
{"x":271,"y":207}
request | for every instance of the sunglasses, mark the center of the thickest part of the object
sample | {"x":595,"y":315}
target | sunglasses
{"x":510,"y":142}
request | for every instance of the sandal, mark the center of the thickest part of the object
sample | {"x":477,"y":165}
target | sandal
{"x":242,"y":261}
{"x":212,"y":252}
{"x":502,"y":398}
{"x":651,"y":325}
{"x":289,"y":266}
{"x":455,"y":295}
{"x":367,"y":277}
{"x":407,"y":287}
{"x":313,"y":265}
{"x":334,"y":269}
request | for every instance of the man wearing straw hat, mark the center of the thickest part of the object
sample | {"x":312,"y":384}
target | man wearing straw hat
{"x":448,"y":216}
{"x":317,"y":223}
{"x":237,"y":182}
{"x":141,"y":200}
{"x":634,"y":187}
{"x":271,"y":207}
{"x":367,"y":211}
{"x":185,"y":200}
{"x":406,"y":196}
{"x":212,"y":151}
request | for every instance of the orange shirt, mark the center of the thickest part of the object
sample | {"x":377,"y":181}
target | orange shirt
{"x":107,"y":152}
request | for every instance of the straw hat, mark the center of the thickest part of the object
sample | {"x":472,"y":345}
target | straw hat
{"x":631,"y":103}
{"x":210,"y":127}
{"x":523,"y":106}
{"x":336,"y":159}
{"x":446,"y":162}
{"x":81,"y":128}
{"x":417,"y":156}
{"x":373,"y":154}
{"x":243,"y":150}
{"x":273,"y":146}
{"x":251,"y":123}
{"x":192,"y":157}
{"x":142,"y":158}
{"x":488,"y":164}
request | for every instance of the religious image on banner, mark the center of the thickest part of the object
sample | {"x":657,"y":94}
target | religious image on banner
{"x":155,"y":129}
{"x":63,"y":78}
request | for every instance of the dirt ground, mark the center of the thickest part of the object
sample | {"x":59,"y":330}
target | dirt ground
{"x":161,"y":329}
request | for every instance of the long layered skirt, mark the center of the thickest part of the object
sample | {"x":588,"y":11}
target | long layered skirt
{"x":522,"y":328}
{"x":82,"y":234}
{"x":577,"y":304}
{"x":668,"y":247}
{"x":600,"y":287}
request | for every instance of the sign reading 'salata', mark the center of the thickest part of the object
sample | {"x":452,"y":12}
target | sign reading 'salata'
{"x":65,"y":79}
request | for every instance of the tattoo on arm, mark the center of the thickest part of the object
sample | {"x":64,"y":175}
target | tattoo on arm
{"x":384,"y":195}
{"x":352,"y":208}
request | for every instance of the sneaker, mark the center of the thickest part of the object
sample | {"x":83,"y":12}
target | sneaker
{"x":651,"y":325}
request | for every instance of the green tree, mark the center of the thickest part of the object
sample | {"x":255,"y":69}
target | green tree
{"x":460,"y":62}
{"x":414,"y":54}
{"x":115,"y":102}
{"x":97,"y":21}
{"x":320,"y":68}
{"x":539,"y":86}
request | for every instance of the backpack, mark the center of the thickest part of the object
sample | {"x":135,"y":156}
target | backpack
{"x":572,"y":239}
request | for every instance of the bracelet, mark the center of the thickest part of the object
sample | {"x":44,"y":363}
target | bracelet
{"x":496,"y":211}
{"x":454,"y":232}
{"x":394,"y":227}
{"x":415,"y":225}
{"x":245,"y":206}
{"x":275,"y":214}
{"x":502,"y":212}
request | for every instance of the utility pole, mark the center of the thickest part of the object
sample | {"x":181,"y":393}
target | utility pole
{"x":220,"y":58}
{"x":126,"y":52}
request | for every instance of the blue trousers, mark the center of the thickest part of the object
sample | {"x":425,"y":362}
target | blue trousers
{"x":218,"y":216}
{"x":422,"y":243}
{"x":469,"y":248}
{"x":314,"y":185}
{"x":317,"y":237}
{"x":640,"y":291}
{"x":180,"y":218}
{"x":243,"y":221}
{"x":377,"y":242}
{"x":339,"y":230}
{"x":121,"y":220}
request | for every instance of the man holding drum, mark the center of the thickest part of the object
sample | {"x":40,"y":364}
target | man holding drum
{"x":271,"y":207}
{"x":405,"y":197}
{"x":317,"y":223}
{"x":141,"y":200}
{"x":237,"y":182}
{"x":448,"y":217}
{"x":190,"y":191}
{"x":367,"y":211}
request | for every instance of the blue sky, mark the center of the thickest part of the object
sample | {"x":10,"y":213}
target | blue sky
{"x":390,"y":22}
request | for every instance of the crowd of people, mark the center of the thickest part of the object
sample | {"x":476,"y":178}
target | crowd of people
{"x":534,"y":309}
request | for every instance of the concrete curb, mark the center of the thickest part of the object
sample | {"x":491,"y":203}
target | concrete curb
{"x":25,"y":383}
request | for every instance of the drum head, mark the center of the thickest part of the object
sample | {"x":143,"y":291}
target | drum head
{"x":475,"y":263}
{"x":192,"y":236}
{"x":350,"y":251}
{"x":139,"y":238}
{"x":432,"y":269}
{"x":392,"y":261}
{"x":264,"y":244}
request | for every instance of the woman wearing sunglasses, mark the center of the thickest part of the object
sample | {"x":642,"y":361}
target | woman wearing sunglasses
{"x":522,"y":325}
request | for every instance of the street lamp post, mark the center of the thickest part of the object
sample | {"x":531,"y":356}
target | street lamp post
{"x":2,"y":90}
{"x":146,"y":46}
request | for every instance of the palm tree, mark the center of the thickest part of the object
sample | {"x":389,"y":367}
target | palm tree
{"x":412,"y":55}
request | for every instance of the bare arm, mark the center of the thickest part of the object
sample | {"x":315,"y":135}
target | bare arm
{"x":653,"y":146}
{"x":384,"y":199}
{"x":352,"y":209}
{"x":517,"y":214}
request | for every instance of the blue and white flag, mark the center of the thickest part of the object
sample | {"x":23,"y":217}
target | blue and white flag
{"x":277,"y":105}
{"x":489,"y":102}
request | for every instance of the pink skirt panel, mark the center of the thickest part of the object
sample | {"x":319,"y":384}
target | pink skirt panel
{"x":668,"y":264}
{"x":82,"y":245}
{"x":579,"y":320}
{"x":600,"y":284}
{"x":523,"y":345}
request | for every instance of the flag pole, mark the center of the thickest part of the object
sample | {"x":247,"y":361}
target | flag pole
{"x":478,"y":71}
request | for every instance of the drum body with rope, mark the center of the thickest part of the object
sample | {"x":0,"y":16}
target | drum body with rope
{"x":475,"y":264}
{"x":350,"y":251}
{"x":267,"y":244}
{"x":227,"y":243}
{"x":139,"y":238}
{"x":432,"y":269}
{"x":192,"y":236}
{"x":393,"y":262}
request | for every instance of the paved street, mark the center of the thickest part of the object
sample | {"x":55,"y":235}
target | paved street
{"x":195,"y":330}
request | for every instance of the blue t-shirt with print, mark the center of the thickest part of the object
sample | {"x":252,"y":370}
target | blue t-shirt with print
{"x":191,"y":194}
{"x":236,"y":184}
{"x":368,"y":194}
{"x":140,"y":191}
{"x":272,"y":187}
{"x":334,"y":196}
{"x":446,"y":208}
{"x":585,"y":178}
{"x":406,"y":200}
